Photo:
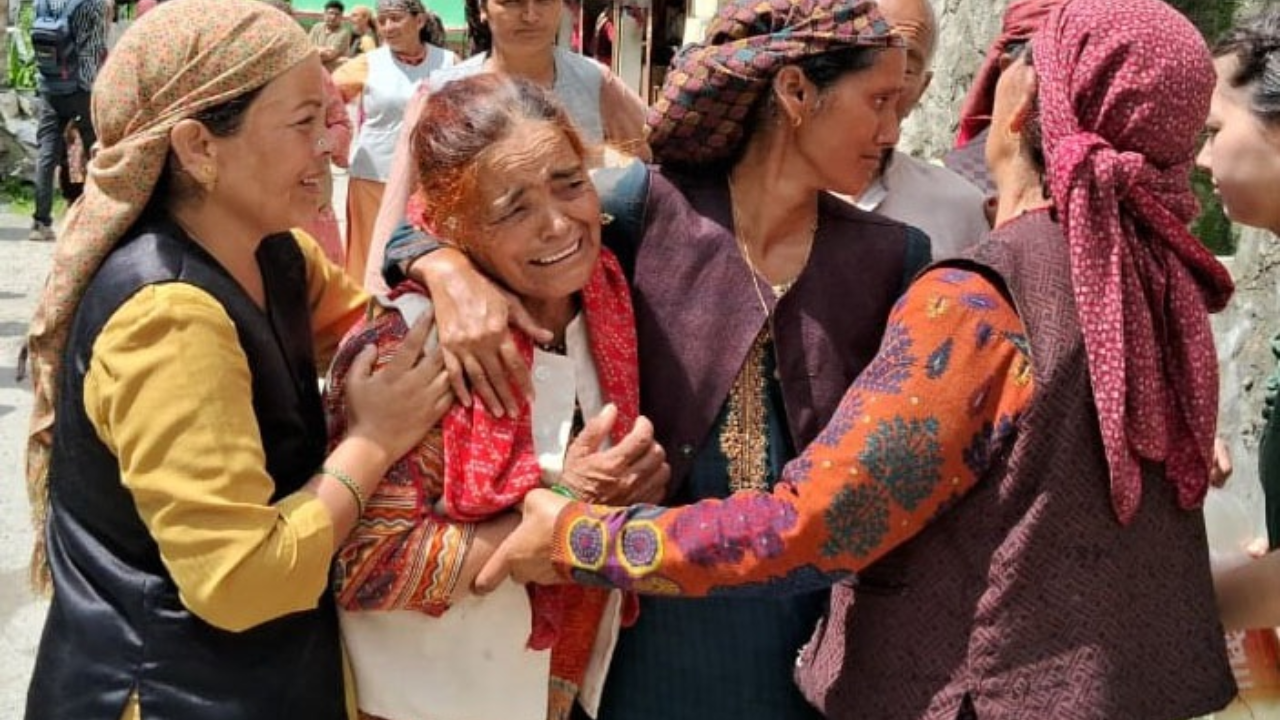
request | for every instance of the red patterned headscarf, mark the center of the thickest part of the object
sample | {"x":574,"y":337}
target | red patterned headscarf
{"x":1021,"y":20}
{"x":713,"y":85}
{"x":1124,"y":90}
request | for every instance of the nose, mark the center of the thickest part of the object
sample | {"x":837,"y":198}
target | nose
{"x":889,"y":129}
{"x":555,"y":224}
{"x":529,"y":11}
{"x":1204,"y":158}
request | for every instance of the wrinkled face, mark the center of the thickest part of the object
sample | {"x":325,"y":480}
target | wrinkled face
{"x":360,"y":21}
{"x":1242,"y":152}
{"x":522,"y":25}
{"x":401,"y":30}
{"x":333,"y":18}
{"x":538,"y":221}
{"x":273,"y":191}
{"x":913,"y":20}
{"x":854,"y":124}
{"x":1014,"y":90}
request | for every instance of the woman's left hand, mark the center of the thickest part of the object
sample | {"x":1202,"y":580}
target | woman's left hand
{"x":633,"y":471}
{"x":525,"y":556}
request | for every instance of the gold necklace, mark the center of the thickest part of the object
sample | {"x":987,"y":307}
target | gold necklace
{"x":781,"y":288}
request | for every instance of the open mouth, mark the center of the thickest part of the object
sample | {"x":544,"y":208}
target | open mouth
{"x":559,"y":256}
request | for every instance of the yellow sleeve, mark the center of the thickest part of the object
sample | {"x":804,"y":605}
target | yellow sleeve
{"x":336,"y":301}
{"x":350,"y":77}
{"x":169,"y":391}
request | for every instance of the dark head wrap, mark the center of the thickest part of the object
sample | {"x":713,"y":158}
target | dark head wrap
{"x":713,"y":86}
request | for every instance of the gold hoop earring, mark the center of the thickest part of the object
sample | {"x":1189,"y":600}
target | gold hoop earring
{"x":605,"y":218}
{"x":796,"y":122}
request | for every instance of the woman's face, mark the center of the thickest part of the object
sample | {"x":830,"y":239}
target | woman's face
{"x":522,"y":25}
{"x":1243,"y":154}
{"x":853,"y":123}
{"x":538,"y":216}
{"x":272,"y":191}
{"x":401,"y":30}
{"x":360,"y":21}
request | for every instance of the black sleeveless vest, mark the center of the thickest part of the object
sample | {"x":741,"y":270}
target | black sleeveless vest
{"x":116,"y":624}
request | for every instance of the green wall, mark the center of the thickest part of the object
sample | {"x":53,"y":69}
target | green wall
{"x":450,"y":11}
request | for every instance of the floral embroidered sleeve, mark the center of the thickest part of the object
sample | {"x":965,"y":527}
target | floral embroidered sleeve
{"x":918,"y":429}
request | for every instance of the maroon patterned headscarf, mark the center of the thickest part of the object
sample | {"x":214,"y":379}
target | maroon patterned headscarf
{"x":712,"y":86}
{"x":1124,"y":89}
{"x":1021,"y":20}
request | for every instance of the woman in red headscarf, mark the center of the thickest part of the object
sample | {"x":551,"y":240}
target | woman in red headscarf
{"x":1016,"y":477}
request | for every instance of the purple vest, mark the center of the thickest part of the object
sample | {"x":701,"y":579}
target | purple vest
{"x":697,"y":312}
{"x":1029,"y":596}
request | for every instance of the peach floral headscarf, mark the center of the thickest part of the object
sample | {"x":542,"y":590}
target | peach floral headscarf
{"x":181,"y":58}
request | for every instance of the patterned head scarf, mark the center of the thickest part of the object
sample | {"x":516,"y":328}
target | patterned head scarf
{"x":713,"y":86}
{"x":181,"y":58}
{"x":1124,"y":89}
{"x":1021,"y":20}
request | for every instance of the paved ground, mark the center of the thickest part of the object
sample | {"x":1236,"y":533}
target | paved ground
{"x":23,"y":266}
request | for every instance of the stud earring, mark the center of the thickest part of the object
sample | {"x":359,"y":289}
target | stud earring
{"x":208,"y":177}
{"x":605,"y":218}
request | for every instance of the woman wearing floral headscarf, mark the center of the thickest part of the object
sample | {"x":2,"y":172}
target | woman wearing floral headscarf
{"x":1015,"y":478}
{"x":177,"y":461}
{"x":734,"y":258}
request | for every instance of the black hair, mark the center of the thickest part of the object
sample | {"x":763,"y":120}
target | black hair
{"x":1254,"y":43}
{"x":335,"y":5}
{"x":478,"y":32}
{"x":433,"y":32}
{"x":222,"y":120}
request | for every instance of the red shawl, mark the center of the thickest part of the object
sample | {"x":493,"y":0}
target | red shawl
{"x":1124,"y":91}
{"x":488,"y":463}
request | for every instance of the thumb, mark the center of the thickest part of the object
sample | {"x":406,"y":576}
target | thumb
{"x":362,"y":365}
{"x":521,"y":318}
{"x":597,"y":429}
{"x":496,"y":569}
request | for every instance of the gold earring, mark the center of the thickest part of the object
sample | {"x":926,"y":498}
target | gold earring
{"x":605,"y":218}
{"x":208,"y":177}
{"x":796,"y":122}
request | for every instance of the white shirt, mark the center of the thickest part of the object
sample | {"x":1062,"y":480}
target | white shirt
{"x":472,"y":662}
{"x":948,"y":208}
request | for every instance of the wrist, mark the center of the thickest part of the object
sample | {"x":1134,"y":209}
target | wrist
{"x":441,"y":266}
{"x":359,"y":449}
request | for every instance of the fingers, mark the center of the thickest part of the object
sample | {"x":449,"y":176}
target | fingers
{"x":517,"y":369}
{"x":495,"y":369}
{"x":412,"y":346}
{"x":653,"y":488}
{"x":362,"y":365}
{"x":481,"y":386}
{"x":637,"y":443}
{"x":596,"y":429}
{"x":457,"y":377}
{"x":495,"y":570}
{"x":523,"y":320}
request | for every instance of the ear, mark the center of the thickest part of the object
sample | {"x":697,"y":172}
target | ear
{"x":796,"y":94}
{"x":928,"y":80}
{"x":1025,"y":106}
{"x":195,"y":148}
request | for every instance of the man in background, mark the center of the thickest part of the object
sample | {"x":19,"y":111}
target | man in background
{"x":70,"y":40}
{"x":944,"y":205}
{"x":330,"y":37}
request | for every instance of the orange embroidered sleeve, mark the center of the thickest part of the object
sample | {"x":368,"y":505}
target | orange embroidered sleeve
{"x":918,"y":428}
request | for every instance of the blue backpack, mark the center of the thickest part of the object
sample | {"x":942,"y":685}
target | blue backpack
{"x":54,"y":42}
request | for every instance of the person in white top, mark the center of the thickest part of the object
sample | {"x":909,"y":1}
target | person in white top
{"x":948,"y":208}
{"x":504,"y":176}
{"x":382,"y":81}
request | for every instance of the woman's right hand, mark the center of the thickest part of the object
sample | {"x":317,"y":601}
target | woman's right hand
{"x":394,"y":407}
{"x":472,"y":315}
